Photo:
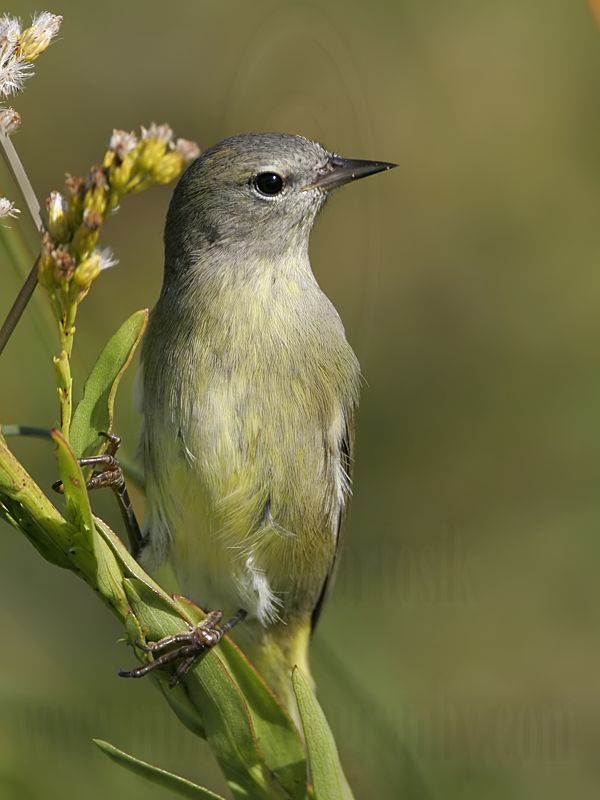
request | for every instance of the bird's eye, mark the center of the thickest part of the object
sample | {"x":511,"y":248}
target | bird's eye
{"x":269,"y":183}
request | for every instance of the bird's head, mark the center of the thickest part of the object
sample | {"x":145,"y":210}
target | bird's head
{"x":258,"y":193}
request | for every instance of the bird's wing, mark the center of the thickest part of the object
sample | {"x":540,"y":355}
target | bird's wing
{"x":346,"y":462}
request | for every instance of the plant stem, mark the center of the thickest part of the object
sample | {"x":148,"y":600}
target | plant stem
{"x":20,"y":175}
{"x":17,"y":308}
{"x":62,"y":363}
{"x":26,"y":430}
{"x":14,"y":241}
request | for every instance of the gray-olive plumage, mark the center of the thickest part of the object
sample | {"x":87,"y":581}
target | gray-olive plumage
{"x":249,"y":394}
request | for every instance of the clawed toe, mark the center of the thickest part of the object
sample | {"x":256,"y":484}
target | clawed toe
{"x":189,"y":646}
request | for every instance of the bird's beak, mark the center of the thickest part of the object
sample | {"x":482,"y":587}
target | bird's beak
{"x":338,"y":171}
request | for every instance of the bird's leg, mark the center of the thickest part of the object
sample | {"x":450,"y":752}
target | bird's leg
{"x":192,"y":645}
{"x":109,"y":473}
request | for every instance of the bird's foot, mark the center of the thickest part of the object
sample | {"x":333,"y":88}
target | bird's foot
{"x":189,"y":646}
{"x":108,"y":472}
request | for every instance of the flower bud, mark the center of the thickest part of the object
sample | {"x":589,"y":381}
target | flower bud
{"x":96,"y":195}
{"x":168,"y":167}
{"x":87,"y":271}
{"x":150,"y":152}
{"x":75,"y":190}
{"x":58,"y":224}
{"x":38,"y":36}
{"x":187,"y":149}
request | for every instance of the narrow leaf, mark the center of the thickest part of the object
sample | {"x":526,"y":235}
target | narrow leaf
{"x":156,"y":775}
{"x":90,"y":554}
{"x":79,"y":511}
{"x":328,"y":778}
{"x":95,"y":410}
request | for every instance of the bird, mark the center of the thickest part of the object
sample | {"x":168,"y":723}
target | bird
{"x":249,"y":389}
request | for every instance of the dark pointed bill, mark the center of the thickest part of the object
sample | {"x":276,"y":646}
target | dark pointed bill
{"x":338,"y":171}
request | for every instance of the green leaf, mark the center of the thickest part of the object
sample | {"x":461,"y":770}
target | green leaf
{"x":328,"y":778}
{"x":156,"y":775}
{"x":79,"y":511}
{"x":90,"y":553}
{"x":129,"y":567}
{"x":95,"y":410}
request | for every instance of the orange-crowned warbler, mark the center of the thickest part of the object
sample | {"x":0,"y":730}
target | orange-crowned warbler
{"x":249,"y":392}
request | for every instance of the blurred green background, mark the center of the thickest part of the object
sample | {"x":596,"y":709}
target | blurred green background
{"x":460,"y":654}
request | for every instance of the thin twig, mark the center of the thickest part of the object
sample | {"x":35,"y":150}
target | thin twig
{"x":23,"y":182}
{"x":20,"y":175}
{"x":25,"y":430}
{"x":18,"y":307}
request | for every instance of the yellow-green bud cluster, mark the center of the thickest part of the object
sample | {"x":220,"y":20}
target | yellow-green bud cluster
{"x":135,"y":163}
{"x":69,"y":260}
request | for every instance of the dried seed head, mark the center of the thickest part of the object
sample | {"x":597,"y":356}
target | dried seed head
{"x":13,"y":70}
{"x":9,"y":120}
{"x":92,"y":219}
{"x":163,"y":132}
{"x":97,"y":177}
{"x":13,"y":74}
{"x":122,"y":142}
{"x":18,"y":49}
{"x":189,"y":150}
{"x":8,"y":208}
{"x":64,"y":263}
{"x":75,"y":185}
{"x":10,"y":31}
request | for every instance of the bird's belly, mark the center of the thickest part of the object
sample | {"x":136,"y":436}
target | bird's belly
{"x":254,"y":495}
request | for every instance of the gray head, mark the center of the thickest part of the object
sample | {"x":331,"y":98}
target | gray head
{"x":257,"y":193}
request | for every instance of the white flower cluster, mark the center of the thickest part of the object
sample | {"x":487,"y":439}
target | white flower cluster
{"x":107,"y":258}
{"x":123,"y":142}
{"x":7,"y":208}
{"x":18,"y":48}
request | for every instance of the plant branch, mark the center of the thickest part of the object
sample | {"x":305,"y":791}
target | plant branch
{"x":19,"y":306}
{"x":20,"y":175}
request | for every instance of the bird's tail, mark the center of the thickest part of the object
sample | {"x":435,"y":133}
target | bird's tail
{"x":275,"y":651}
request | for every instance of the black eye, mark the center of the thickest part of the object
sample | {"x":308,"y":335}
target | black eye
{"x":269,"y":183}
